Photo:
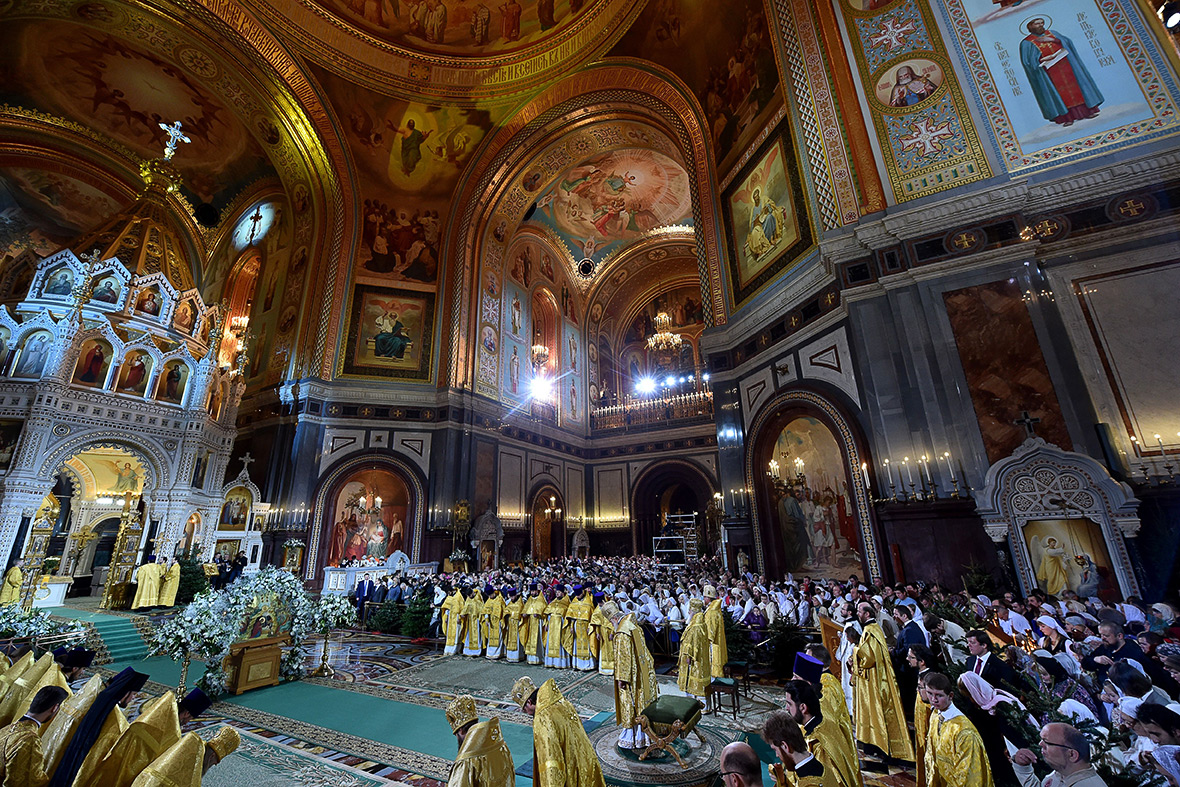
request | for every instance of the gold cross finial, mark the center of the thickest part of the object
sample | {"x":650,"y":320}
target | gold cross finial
{"x":175,"y":137}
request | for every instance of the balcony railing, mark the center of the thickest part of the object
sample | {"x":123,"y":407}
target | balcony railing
{"x":642,"y":413}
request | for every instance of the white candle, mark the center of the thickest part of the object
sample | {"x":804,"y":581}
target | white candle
{"x":889,"y":472}
{"x":926,"y":465}
{"x":864,"y":471}
{"x":908,"y":473}
{"x":947,"y":456}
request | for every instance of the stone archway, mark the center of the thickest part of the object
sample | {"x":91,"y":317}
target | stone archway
{"x":547,"y":512}
{"x":668,"y":487}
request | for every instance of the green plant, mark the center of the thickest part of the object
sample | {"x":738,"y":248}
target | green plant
{"x":737,"y":640}
{"x":386,"y":618}
{"x":785,"y":640}
{"x":978,"y":580}
{"x":415,"y":621}
{"x":192,"y":580}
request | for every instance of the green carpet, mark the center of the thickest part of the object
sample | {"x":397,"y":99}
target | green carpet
{"x":118,"y":633}
{"x":161,"y":669}
{"x":260,"y":762}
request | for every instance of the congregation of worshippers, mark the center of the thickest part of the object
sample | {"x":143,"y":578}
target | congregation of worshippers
{"x":955,"y":689}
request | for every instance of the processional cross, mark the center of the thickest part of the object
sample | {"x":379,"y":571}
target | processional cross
{"x":246,"y":461}
{"x":175,"y":137}
{"x":81,"y":540}
{"x":1028,"y":422}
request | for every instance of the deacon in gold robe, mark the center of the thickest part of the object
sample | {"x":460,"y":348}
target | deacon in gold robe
{"x":452,"y":620}
{"x":824,"y":737}
{"x":832,"y":702}
{"x":922,"y":659}
{"x":695,"y":671}
{"x":17,"y":669}
{"x":147,"y":593}
{"x":187,"y":760}
{"x":635,"y":681}
{"x":483,"y":759}
{"x":715,"y":626}
{"x":155,"y":730}
{"x":880,"y":720}
{"x":16,"y":700}
{"x":562,"y":753}
{"x":532,"y":637}
{"x":558,"y":636}
{"x":955,"y":756}
{"x":170,"y":585}
{"x":514,"y":627}
{"x":602,"y":630}
{"x":578,"y":616}
{"x":472,"y":613}
{"x":101,"y":726}
{"x":493,"y":624}
{"x":10,"y":591}
{"x":22,"y":760}
{"x":57,"y":734}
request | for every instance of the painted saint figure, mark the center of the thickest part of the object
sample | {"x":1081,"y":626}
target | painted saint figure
{"x":910,"y":89}
{"x":412,"y":139}
{"x":391,"y":340}
{"x":1063,"y":87}
{"x":514,"y":369}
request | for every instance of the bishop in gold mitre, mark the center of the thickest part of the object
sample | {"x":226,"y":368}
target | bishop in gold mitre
{"x":186,"y":761}
{"x":562,"y":753}
{"x":483,"y":759}
{"x":695,"y":669}
{"x":635,"y":680}
{"x":876,"y":702}
{"x":955,"y":756}
{"x":715,"y":626}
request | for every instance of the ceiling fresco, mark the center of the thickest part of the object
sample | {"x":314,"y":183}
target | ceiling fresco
{"x":60,"y":206}
{"x":727,"y":60}
{"x":124,"y":91}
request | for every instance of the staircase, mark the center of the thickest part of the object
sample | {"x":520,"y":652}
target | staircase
{"x":119,"y":635}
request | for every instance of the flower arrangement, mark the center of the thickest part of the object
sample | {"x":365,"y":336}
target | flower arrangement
{"x":294,"y":543}
{"x":458,"y":555}
{"x":51,"y":564}
{"x":205,"y":629}
{"x":333,"y":611}
{"x":17,"y":622}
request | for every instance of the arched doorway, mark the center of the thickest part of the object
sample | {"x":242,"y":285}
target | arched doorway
{"x":669,"y":487}
{"x":368,"y":511}
{"x":811,"y":509}
{"x":548,"y":518}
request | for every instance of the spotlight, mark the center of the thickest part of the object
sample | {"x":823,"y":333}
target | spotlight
{"x":541,"y":388}
{"x":645,"y":385}
{"x":705,"y":377}
{"x":1169,"y":13}
{"x":670,"y":381}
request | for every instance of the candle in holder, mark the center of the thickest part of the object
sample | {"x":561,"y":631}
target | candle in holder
{"x":926,"y":465}
{"x":1160,"y":440}
{"x":864,"y":471}
{"x":947,"y":456}
{"x":909,"y":475}
{"x":889,"y":473}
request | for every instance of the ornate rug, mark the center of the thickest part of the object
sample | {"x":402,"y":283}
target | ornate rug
{"x":260,"y":762}
{"x":624,"y":769}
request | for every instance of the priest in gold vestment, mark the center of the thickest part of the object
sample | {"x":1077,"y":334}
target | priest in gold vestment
{"x":452,"y":620}
{"x":513,"y":627}
{"x":148,"y":577}
{"x":57,"y":734}
{"x":22,"y":759}
{"x":635,"y":680}
{"x":559,"y":635}
{"x":832,"y":701}
{"x":17,"y":669}
{"x":483,"y":759}
{"x":562,"y":753}
{"x":492,"y":620}
{"x":695,"y":672}
{"x":880,"y":719}
{"x":955,"y":756}
{"x":533,"y":634}
{"x":578,"y":616}
{"x":472,"y":615}
{"x":101,"y":725}
{"x":10,"y":591}
{"x":154,"y":731}
{"x":170,"y":585}
{"x":715,"y":626}
{"x":824,"y":737}
{"x":186,"y":761}
{"x":43,"y":672}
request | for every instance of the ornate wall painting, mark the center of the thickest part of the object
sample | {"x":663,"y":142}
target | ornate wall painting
{"x":1070,"y":554}
{"x":818,"y":532}
{"x":61,"y":206}
{"x":362,"y":528}
{"x":235,"y":511}
{"x":134,"y":373}
{"x":927,"y":136}
{"x":766,"y":217}
{"x":517,"y":369}
{"x":114,"y":472}
{"x":390,"y":333}
{"x":228,"y":548}
{"x":172,"y":382}
{"x":125,"y":90}
{"x":34,"y":351}
{"x":516,"y":313}
{"x":727,"y":60}
{"x":94,"y":360}
{"x":10,"y":430}
{"x":1061,"y":79}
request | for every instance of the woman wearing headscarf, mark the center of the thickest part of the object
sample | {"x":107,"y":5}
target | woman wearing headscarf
{"x":996,"y":729}
{"x":1167,"y":762}
{"x":1053,"y":636}
{"x":1135,"y":752}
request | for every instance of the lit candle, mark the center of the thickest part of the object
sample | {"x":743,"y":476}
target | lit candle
{"x":889,"y":472}
{"x":926,"y":465}
{"x":1159,"y":440}
{"x":909,"y":475}
{"x":732,"y":498}
{"x":947,"y":456}
{"x":864,"y":471}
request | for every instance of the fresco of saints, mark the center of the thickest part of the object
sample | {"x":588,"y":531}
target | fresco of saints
{"x":764,"y":225}
{"x":376,"y":547}
{"x":61,"y":284}
{"x":134,"y":375}
{"x":910,"y":89}
{"x":1060,"y":82}
{"x":92,"y":366}
{"x":148,"y":303}
{"x":32,"y":358}
{"x":573,"y":344}
{"x":391,"y":340}
{"x":514,"y":370}
{"x":516,"y":314}
{"x":1052,"y":572}
{"x":573,"y":401}
{"x":412,"y":138}
{"x":126,"y":479}
{"x":106,"y":292}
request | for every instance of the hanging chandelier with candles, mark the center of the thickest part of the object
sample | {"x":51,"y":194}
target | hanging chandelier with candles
{"x":663,"y":339}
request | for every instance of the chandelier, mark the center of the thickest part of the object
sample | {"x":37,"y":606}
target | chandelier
{"x":540,"y":355}
{"x":663,"y":340}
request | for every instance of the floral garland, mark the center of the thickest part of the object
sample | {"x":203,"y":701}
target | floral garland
{"x":207,"y":628}
{"x":294,"y":543}
{"x":458,"y":555}
{"x":333,"y":611}
{"x":18,"y":623}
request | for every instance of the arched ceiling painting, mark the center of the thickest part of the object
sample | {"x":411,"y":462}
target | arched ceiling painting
{"x":41,"y":209}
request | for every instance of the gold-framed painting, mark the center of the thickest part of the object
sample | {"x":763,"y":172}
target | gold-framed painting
{"x":766,"y":218}
{"x":389,"y":334}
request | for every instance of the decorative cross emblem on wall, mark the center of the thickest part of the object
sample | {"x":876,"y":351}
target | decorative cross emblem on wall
{"x":246,"y":461}
{"x":1132,"y":208}
{"x":1028,"y":422}
{"x":964,"y":240}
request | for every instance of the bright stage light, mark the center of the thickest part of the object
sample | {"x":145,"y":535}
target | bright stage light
{"x":645,"y":385}
{"x":670,"y":381}
{"x":541,"y":388}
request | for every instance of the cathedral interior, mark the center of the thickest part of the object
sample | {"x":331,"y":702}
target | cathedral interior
{"x":357,"y":274}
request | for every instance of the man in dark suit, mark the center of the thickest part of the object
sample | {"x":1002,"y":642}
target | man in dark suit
{"x":991,"y":667}
{"x":909,"y":634}
{"x":364,"y":591}
{"x":381,"y":591}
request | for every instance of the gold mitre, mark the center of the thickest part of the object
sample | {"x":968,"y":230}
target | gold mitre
{"x":710,"y":591}
{"x":225,"y":742}
{"x":609,"y":610}
{"x":522,"y":690}
{"x":461,"y":712}
{"x":696,"y":605}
